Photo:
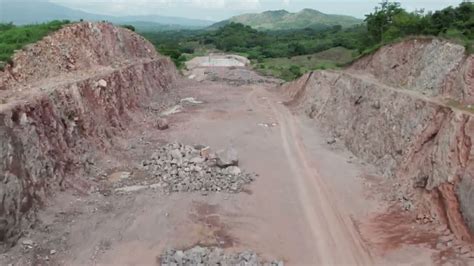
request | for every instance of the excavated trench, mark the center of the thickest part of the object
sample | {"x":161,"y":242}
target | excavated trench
{"x":407,"y":109}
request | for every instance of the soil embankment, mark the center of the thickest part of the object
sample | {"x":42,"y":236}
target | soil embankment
{"x":406,"y":109}
{"x":63,"y":99}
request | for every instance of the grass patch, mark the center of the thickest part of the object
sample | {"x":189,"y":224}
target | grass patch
{"x":291,"y":68}
{"x":14,"y":38}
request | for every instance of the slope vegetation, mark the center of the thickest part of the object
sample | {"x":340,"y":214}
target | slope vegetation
{"x":284,"y":20}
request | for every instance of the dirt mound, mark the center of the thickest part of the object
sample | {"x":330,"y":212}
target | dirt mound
{"x":183,"y":168}
{"x":66,"y":97}
{"x":395,"y":109}
{"x":74,"y":48}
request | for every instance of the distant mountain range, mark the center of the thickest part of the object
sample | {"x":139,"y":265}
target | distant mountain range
{"x":36,"y":11}
{"x":284,"y":20}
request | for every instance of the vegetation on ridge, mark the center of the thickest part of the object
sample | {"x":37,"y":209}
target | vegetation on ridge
{"x":281,"y":53}
{"x":284,"y":20}
{"x":390,"y":22}
{"x":16,"y":37}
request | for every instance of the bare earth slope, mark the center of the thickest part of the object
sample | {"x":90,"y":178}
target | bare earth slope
{"x":94,"y":175}
{"x":63,"y":100}
{"x":406,"y":110}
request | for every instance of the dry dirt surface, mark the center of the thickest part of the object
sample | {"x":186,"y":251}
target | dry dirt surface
{"x":308,"y":204}
{"x":221,"y":169}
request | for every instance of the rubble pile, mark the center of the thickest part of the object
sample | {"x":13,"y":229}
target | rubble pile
{"x":185,"y":168}
{"x":212,"y":256}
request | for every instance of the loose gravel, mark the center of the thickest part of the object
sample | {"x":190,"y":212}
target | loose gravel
{"x":212,"y":256}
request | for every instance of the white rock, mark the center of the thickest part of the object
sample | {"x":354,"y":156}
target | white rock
{"x":28,"y":242}
{"x":102,"y":83}
{"x":131,"y":188}
{"x":233,"y":170}
{"x":227,"y":157}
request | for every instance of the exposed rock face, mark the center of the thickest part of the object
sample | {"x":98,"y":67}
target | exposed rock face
{"x":53,"y":113}
{"x":421,"y":65}
{"x":379,"y":109}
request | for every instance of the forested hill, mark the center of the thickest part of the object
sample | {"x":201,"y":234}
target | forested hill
{"x":284,"y":53}
{"x":284,"y":20}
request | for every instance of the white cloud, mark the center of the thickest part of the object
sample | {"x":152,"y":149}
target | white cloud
{"x":116,"y":5}
{"x":222,"y":9}
{"x":209,"y":3}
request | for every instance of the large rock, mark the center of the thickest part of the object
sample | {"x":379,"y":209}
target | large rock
{"x":227,"y":157}
{"x":162,"y":123}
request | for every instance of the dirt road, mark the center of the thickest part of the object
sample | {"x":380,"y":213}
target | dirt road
{"x":304,"y":207}
{"x":332,"y":231}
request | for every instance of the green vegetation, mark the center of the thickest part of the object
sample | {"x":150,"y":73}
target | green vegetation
{"x":128,"y":26}
{"x":284,"y":20}
{"x":293,"y":67}
{"x":256,"y":45}
{"x":289,"y":53}
{"x":390,"y":22}
{"x":16,"y":37}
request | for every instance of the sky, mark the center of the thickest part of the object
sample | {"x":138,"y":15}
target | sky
{"x":222,"y":9}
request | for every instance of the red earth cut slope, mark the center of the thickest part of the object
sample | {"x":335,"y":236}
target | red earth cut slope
{"x":408,"y":109}
{"x":65,"y":97}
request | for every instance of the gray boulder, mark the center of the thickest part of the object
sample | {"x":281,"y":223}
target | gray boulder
{"x":162,"y":124}
{"x":227,"y":157}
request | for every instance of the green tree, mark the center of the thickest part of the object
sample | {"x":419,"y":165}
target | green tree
{"x":382,"y":18}
{"x":130,"y":27}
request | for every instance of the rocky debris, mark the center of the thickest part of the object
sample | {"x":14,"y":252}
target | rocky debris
{"x":68,"y":50}
{"x":227,"y":157}
{"x":212,"y":256}
{"x":267,"y":124}
{"x":424,"y":218}
{"x":184,"y":168}
{"x":172,"y":110}
{"x":118,"y":176}
{"x":331,"y":141}
{"x":28,"y":243}
{"x":162,"y":123}
{"x":180,"y":106}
